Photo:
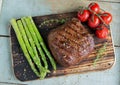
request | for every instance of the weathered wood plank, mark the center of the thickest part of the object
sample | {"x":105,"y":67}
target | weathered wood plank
{"x":6,"y":70}
{"x":35,"y":8}
{"x":0,"y":6}
{"x":72,"y":5}
{"x":10,"y":83}
{"x":5,"y":62}
{"x":115,"y":25}
{"x":19,"y":8}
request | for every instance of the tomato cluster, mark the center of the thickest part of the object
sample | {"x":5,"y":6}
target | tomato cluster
{"x":96,"y":19}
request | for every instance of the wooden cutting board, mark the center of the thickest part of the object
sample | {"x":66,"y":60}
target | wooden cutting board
{"x":22,"y":69}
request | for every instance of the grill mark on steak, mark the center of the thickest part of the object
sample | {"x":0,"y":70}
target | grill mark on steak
{"x":68,"y":37}
{"x":78,"y":30}
{"x":73,"y":28}
{"x":78,"y":46}
{"x":65,"y":42}
{"x":65,"y":48}
{"x":73,"y":43}
{"x":73,"y":33}
{"x":76,"y":42}
{"x":63,"y":55}
{"x":61,"y":46}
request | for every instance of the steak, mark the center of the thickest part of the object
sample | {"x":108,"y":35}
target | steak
{"x":70,"y":43}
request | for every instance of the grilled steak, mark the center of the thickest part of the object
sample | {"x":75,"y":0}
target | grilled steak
{"x":70,"y":43}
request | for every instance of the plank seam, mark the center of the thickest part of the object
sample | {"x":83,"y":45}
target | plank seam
{"x":4,"y":36}
{"x":116,"y":45}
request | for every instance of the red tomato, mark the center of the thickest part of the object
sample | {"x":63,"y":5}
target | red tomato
{"x":93,"y":21}
{"x":102,"y":32}
{"x":107,"y":17}
{"x":83,"y":15}
{"x":94,"y":7}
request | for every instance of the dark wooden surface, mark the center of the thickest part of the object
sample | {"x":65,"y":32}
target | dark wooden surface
{"x":23,"y":71}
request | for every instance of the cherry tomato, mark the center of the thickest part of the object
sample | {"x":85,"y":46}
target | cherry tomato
{"x":83,"y":15}
{"x":94,"y":7}
{"x":102,"y":32}
{"x":107,"y":17}
{"x":93,"y":21}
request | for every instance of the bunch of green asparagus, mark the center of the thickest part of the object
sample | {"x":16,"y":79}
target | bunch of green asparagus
{"x":33,"y":46}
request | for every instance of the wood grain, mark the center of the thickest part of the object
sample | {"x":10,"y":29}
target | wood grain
{"x":23,"y":71}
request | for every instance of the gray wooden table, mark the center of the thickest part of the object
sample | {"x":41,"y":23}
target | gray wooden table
{"x":19,"y":8}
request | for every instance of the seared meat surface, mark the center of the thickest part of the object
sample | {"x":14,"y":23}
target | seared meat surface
{"x":70,"y":43}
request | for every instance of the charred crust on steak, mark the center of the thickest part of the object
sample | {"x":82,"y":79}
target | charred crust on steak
{"x":70,"y":43}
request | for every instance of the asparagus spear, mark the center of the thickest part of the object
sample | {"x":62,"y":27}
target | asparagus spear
{"x":21,"y":29}
{"x":43,"y":71}
{"x":30,"y":20}
{"x":22,"y":44}
{"x":29,"y":48}
{"x":36,"y":42}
